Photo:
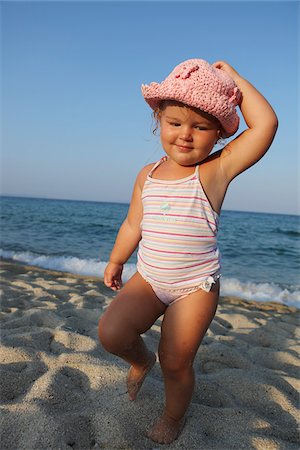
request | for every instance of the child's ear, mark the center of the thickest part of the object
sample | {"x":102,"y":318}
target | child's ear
{"x":219,"y":135}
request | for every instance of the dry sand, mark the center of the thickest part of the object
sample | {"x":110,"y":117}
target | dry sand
{"x":61,"y":390}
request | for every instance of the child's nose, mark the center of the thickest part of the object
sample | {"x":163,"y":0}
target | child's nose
{"x":186,"y":133}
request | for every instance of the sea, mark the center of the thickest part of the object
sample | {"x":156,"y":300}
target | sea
{"x":260,"y":251}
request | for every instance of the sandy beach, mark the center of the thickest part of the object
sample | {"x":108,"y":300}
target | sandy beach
{"x":61,"y":390}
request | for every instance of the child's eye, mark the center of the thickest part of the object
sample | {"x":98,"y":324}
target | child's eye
{"x":175,"y":124}
{"x":200,"y":127}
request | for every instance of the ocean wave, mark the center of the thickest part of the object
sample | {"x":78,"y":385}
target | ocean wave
{"x":262,"y":292}
{"x":71,"y":264}
{"x":291,"y":233}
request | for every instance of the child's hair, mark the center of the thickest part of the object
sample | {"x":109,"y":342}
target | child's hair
{"x":198,"y":84}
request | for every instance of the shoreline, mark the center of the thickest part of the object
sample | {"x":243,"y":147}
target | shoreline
{"x":60,"y":389}
{"x":263,"y":305}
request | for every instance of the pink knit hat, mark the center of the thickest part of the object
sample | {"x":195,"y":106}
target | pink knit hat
{"x":197,"y":83}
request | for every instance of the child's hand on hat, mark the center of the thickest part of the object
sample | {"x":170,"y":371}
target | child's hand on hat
{"x":223,"y":65}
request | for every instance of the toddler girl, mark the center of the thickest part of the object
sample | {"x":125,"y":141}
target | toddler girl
{"x":173,"y":218}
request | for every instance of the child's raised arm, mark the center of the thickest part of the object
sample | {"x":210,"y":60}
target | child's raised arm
{"x":247,"y":148}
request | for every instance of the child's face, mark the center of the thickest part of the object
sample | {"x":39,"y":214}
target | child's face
{"x":187,"y":135}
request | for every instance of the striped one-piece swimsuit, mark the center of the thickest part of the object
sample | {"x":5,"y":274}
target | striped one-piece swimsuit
{"x":178,"y":248}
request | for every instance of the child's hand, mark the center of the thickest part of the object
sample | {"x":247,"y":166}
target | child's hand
{"x":112,"y":276}
{"x":222,"y":65}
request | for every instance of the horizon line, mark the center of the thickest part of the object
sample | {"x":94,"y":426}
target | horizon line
{"x":128,"y":203}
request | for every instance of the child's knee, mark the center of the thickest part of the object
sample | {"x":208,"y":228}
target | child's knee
{"x":107,"y":335}
{"x":175,"y":365}
{"x":113,"y":337}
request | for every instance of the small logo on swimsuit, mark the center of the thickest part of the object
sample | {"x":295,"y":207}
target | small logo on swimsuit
{"x":165,"y":207}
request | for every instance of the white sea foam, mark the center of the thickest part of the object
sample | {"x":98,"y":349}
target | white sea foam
{"x":261,"y":292}
{"x":230,"y":286}
{"x":69,"y":264}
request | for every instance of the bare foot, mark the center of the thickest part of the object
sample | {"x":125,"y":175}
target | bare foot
{"x":135,"y":377}
{"x":165,"y":430}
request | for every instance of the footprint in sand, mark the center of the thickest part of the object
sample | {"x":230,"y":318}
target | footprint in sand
{"x":34,"y":318}
{"x":217,"y":356}
{"x":67,"y":341}
{"x":211,"y":393}
{"x":17,"y":378}
{"x":64,"y":389}
{"x":38,"y":339}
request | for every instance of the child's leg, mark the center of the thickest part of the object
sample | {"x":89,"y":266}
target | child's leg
{"x":131,"y":313}
{"x":184,"y":326}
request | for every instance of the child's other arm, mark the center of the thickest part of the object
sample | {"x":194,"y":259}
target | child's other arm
{"x":250,"y":146}
{"x":128,"y":237}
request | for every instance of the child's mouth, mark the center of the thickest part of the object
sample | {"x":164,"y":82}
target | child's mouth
{"x":184,"y":149}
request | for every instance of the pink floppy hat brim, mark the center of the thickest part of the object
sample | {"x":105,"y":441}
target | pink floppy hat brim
{"x":155,"y":93}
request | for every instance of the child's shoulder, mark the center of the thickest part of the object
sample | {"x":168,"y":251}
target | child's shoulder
{"x":145,"y":170}
{"x":143,"y":173}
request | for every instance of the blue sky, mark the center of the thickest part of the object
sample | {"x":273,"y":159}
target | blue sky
{"x":75,"y":125}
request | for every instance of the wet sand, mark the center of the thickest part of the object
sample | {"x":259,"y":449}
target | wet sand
{"x":61,"y":390}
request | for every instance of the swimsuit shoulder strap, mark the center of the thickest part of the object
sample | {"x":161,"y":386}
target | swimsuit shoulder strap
{"x":164,"y":158}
